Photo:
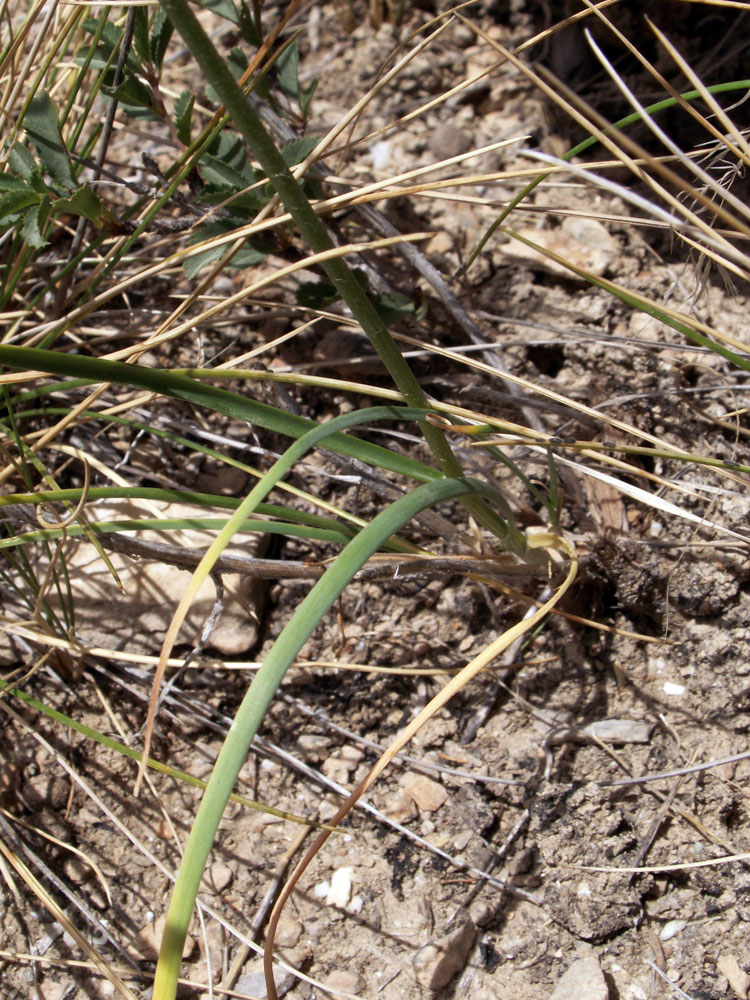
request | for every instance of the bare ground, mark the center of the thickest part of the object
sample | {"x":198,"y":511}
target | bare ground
{"x":516,"y":784}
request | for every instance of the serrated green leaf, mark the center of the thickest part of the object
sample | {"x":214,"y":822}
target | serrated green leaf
{"x":160,"y":35}
{"x":140,"y":35}
{"x":248,"y":255}
{"x":298,"y":149}
{"x":22,"y":162}
{"x":10,"y":182}
{"x":111,"y":34}
{"x":31,"y":230}
{"x":245,"y":204}
{"x":43,"y":129}
{"x":109,"y":43}
{"x":229,"y":147}
{"x":221,"y":174}
{"x":84,"y":202}
{"x":224,"y":8}
{"x":16,"y":201}
{"x":183,"y":113}
{"x":287,"y":66}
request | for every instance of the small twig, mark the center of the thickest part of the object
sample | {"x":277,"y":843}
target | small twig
{"x":496,"y":856}
{"x":692,"y":769}
{"x":647,"y":841}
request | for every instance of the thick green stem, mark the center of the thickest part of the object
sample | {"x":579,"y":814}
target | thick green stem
{"x":249,"y":124}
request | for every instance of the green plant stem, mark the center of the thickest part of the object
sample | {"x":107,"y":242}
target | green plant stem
{"x":250,"y":126}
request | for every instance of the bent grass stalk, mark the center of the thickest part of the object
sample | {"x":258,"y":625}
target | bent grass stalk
{"x":259,"y":696}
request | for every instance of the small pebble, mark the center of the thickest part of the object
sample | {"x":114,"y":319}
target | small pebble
{"x":288,"y":931}
{"x":340,"y":891}
{"x":428,"y":794}
{"x":583,"y":980}
{"x":321,"y":890}
{"x":674,"y":689}
{"x":219,"y":876}
{"x":347,"y":982}
{"x":401,"y":808}
{"x":671,"y":928}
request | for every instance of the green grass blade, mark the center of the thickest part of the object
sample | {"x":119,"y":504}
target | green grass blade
{"x":259,"y":696}
{"x":231,"y":404}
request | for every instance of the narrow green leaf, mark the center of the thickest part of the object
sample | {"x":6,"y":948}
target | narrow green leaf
{"x":140,"y":35}
{"x":259,"y":696}
{"x":194,"y":391}
{"x":156,"y":765}
{"x":44,"y":131}
{"x":183,"y":113}
{"x":160,"y":35}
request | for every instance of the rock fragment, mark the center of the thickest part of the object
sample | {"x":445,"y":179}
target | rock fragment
{"x":288,"y":931}
{"x":347,"y":982}
{"x":619,"y":730}
{"x":739,"y":980}
{"x":583,"y":980}
{"x":219,"y":876}
{"x":428,"y":794}
{"x":340,"y":891}
{"x":584,"y":242}
{"x":439,"y":961}
{"x":401,"y":808}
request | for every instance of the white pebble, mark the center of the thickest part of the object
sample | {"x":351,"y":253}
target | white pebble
{"x":321,"y":890}
{"x":671,"y":928}
{"x":675,"y":689}
{"x":340,"y":891}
